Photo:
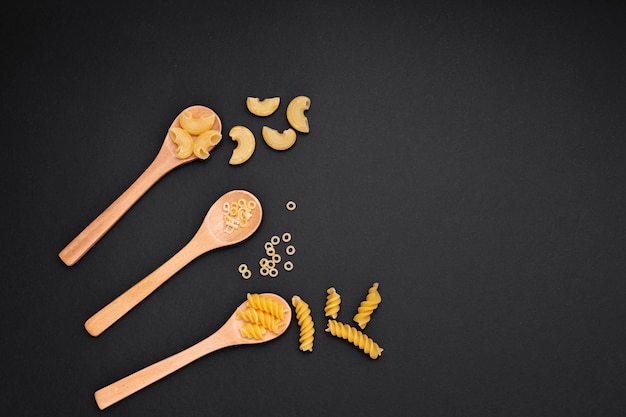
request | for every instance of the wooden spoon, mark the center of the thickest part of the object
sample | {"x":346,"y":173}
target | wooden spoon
{"x":227,"y":335}
{"x":163,"y":163}
{"x":212,"y":234}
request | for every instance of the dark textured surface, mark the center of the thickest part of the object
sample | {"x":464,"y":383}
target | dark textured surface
{"x":470,"y":159}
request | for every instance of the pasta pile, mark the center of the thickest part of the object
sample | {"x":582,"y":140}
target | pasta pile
{"x":261,"y":314}
{"x":363,"y":316}
{"x":237,"y":213}
{"x":195,"y":135}
{"x":307,"y":330}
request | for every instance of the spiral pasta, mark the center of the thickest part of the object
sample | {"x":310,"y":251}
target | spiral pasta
{"x":333,"y":303}
{"x":252,"y":331}
{"x":307,"y":330}
{"x":354,"y":336}
{"x":367,"y":306}
{"x":261,"y":318}
{"x":266,"y":304}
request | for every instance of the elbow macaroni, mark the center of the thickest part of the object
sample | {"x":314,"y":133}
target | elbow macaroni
{"x":245,"y":144}
{"x":277,"y":140}
{"x":205,"y":142}
{"x":307,"y":330}
{"x":183,"y":139}
{"x":367,"y":306}
{"x":262,"y":108}
{"x":295,"y":113}
{"x":196,"y":125}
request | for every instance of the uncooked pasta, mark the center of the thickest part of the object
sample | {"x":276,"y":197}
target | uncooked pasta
{"x":252,"y":331}
{"x":261,"y":318}
{"x":307,"y":330}
{"x":333,"y":303}
{"x":367,"y":306}
{"x":354,"y":336}
{"x":266,"y":304}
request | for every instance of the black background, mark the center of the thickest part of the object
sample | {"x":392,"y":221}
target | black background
{"x":469,"y":158}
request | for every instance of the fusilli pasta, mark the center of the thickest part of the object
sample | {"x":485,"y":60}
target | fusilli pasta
{"x":333,"y":303}
{"x":367,"y":306}
{"x":261,"y":318}
{"x":252,"y":331}
{"x":307,"y":330}
{"x":266,"y":304}
{"x":354,"y":336}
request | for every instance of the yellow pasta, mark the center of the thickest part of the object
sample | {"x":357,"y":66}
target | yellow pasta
{"x":266,"y":304}
{"x":354,"y":336}
{"x":196,"y":125}
{"x":367,"y":306}
{"x":266,"y":320}
{"x":183,"y":139}
{"x":295,"y":113}
{"x":307,"y":330}
{"x":205,"y":142}
{"x":333,"y":303}
{"x":252,"y":331}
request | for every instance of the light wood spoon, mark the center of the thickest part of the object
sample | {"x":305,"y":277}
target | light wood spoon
{"x":227,"y":335}
{"x":164,"y":162}
{"x":212,"y":234}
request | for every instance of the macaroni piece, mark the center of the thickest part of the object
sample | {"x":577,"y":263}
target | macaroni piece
{"x":205,"y":142}
{"x":261,"y":318}
{"x":307,"y":330}
{"x":333,"y":303}
{"x":367,"y":306}
{"x":262,"y":108}
{"x":286,"y":237}
{"x":295,"y":113}
{"x":354,"y":336}
{"x":266,"y":304}
{"x":291,"y":206}
{"x":183,"y":139}
{"x":245,"y":144}
{"x":288,"y":266}
{"x":196,"y":125}
{"x":252,"y":331}
{"x":290,"y":250}
{"x":277,"y":140}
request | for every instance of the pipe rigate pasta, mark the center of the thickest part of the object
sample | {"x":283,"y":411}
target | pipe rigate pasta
{"x":354,"y":336}
{"x":252,"y":331}
{"x":367,"y":306}
{"x":307,"y":329}
{"x":333,"y":303}
{"x":266,"y":304}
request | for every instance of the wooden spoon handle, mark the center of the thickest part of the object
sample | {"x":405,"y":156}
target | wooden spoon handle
{"x":113,"y":311}
{"x":126,"y":386}
{"x":101,"y":224}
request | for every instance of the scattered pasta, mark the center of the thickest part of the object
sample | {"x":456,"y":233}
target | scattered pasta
{"x":307,"y":330}
{"x":367,"y":306}
{"x":291,"y":206}
{"x":237,"y":214}
{"x":354,"y":336}
{"x":286,"y":237}
{"x":290,"y":250}
{"x":288,"y":266}
{"x":333,"y":303}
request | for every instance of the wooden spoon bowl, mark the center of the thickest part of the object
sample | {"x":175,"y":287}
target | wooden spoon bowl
{"x":227,"y":335}
{"x":212,"y":234}
{"x":164,"y":162}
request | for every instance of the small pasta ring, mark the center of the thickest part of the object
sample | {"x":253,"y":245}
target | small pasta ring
{"x":275,"y":240}
{"x":290,"y":250}
{"x":288,"y":266}
{"x":276,"y":258}
{"x":264,"y":271}
{"x":286,"y":237}
{"x":273,"y":272}
{"x":242,"y":268}
{"x":291,"y":206}
{"x":268,"y":245}
{"x":246,"y":274}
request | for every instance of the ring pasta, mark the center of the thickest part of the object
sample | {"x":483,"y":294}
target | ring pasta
{"x":354,"y":336}
{"x":367,"y":306}
{"x":291,"y":206}
{"x":307,"y":329}
{"x":286,"y":237}
{"x":290,"y":250}
{"x":333,"y":303}
{"x":288,"y":266}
